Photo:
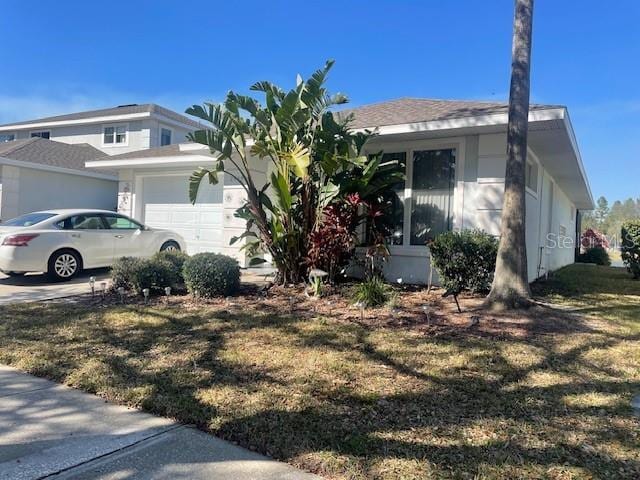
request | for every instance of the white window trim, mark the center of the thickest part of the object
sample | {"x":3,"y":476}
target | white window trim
{"x":114,"y":144}
{"x":164,"y":127}
{"x":39,"y":131}
{"x":456,"y":143}
{"x":533,"y":159}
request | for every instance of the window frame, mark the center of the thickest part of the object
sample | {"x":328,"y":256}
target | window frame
{"x":114,"y":144}
{"x":534,"y":166}
{"x":105,"y":226}
{"x":34,"y":134}
{"x":458,"y":144}
{"x":12,"y":134}
{"x":118,"y":215}
{"x":170,"y":130}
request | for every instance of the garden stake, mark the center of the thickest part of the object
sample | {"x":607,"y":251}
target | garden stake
{"x":425,"y":309}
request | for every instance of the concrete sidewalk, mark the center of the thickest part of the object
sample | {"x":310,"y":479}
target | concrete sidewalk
{"x":51,"y":431}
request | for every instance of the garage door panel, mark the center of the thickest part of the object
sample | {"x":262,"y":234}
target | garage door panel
{"x":166,"y":206}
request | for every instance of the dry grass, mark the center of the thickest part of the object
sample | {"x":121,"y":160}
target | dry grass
{"x":541,"y":395}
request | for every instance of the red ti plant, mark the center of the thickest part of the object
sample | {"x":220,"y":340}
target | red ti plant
{"x":593,"y":238}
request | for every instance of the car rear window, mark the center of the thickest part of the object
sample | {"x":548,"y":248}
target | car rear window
{"x":28,"y":219}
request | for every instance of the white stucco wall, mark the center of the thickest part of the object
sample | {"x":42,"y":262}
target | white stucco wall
{"x":26,"y":190}
{"x":138,"y":135}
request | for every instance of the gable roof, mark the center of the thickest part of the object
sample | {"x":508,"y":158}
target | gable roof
{"x":43,"y":152}
{"x":150,"y":108}
{"x":414,"y":110}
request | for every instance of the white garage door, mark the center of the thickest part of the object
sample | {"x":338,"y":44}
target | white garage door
{"x":166,"y":205}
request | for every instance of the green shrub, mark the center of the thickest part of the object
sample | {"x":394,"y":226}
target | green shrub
{"x":211,"y":274}
{"x":631,"y":246}
{"x":465,"y":260}
{"x":136,"y":274}
{"x":597,"y":255}
{"x":122,"y":272}
{"x":176,"y":259}
{"x":372,"y":292}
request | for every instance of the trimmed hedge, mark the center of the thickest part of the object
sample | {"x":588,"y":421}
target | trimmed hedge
{"x":176,"y":259}
{"x":631,"y":247}
{"x":597,"y":255}
{"x":211,"y":274}
{"x":136,"y":274}
{"x":465,"y":260}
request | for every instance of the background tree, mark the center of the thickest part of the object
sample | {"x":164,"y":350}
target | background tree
{"x":510,"y":288}
{"x":602,"y":210}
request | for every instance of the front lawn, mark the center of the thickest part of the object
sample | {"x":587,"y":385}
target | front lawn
{"x":542,"y":395}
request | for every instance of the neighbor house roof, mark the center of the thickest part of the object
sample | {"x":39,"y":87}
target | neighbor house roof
{"x":182,"y":153}
{"x":149,"y":108}
{"x":42,"y":152}
{"x":414,"y":110}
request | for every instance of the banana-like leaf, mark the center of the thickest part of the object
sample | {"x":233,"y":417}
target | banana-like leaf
{"x":256,"y":261}
{"x":245,"y":234}
{"x":327,"y":193}
{"x":195,"y":179}
{"x":298,"y":159}
{"x":281,"y":188}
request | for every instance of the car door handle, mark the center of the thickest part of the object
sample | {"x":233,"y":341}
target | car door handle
{"x":119,"y":236}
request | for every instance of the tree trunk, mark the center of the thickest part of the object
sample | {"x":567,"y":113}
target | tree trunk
{"x":510,"y":287}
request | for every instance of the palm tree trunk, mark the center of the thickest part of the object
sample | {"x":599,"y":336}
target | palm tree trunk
{"x":510,"y":287}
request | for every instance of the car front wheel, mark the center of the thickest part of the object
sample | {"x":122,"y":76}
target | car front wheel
{"x":170,"y":246}
{"x":64,"y":265}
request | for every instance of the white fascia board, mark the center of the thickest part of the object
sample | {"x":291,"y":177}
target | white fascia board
{"x":54,"y":169}
{"x":175,"y":123}
{"x":81,"y":121}
{"x":576,"y":150}
{"x":152,"y":161}
{"x":465,"y":122}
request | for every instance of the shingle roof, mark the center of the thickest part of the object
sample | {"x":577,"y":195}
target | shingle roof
{"x":107,"y":112}
{"x":413,"y":110}
{"x":55,"y":154}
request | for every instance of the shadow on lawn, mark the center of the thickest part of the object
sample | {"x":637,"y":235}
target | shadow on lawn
{"x":170,"y":357}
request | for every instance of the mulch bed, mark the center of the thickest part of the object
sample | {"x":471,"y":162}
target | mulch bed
{"x":415,"y":309}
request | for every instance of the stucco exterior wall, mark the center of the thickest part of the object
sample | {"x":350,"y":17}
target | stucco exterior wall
{"x":27,"y":190}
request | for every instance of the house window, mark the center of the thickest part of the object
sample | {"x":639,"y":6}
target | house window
{"x":432,"y":188}
{"x":43,"y":134}
{"x":165,"y":137}
{"x":115,"y":135}
{"x":531,"y":176}
{"x":7,"y":137}
{"x":392,"y":201}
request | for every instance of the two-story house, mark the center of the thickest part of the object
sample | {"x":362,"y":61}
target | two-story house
{"x":42,"y":161}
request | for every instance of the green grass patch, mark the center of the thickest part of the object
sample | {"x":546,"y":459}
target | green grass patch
{"x":354,"y":401}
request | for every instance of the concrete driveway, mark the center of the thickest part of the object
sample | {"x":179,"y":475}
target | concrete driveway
{"x":36,"y":286}
{"x":51,"y":431}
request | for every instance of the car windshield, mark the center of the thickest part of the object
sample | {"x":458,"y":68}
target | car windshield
{"x":28,"y":219}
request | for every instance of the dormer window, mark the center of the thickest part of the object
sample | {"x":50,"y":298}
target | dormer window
{"x":115,"y":135}
{"x":42,"y":134}
{"x":165,"y":137}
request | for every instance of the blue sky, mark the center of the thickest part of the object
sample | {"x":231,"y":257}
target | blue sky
{"x":82,"y":55}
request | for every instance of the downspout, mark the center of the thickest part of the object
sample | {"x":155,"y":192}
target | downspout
{"x":576,"y":253}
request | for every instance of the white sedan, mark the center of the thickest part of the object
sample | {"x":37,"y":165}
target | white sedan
{"x":63,"y":242}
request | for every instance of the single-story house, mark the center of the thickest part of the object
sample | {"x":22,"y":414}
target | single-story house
{"x":454,"y":156}
{"x":40,"y":174}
